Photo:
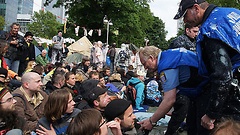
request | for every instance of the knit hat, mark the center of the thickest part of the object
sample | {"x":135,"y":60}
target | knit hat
{"x":3,"y":72}
{"x":116,"y":108}
{"x":3,"y":92}
{"x":88,"y":85}
{"x":184,"y":5}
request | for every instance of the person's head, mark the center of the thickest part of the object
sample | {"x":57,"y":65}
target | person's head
{"x":88,"y":122}
{"x":106,"y":71}
{"x":130,"y":68}
{"x":3,"y":47}
{"x":31,"y":65}
{"x":191,"y":31}
{"x":141,"y":74}
{"x":58,"y":78}
{"x":97,"y":98}
{"x":99,"y":44}
{"x":38,"y":69}
{"x":227,"y":127}
{"x":7,"y":102}
{"x":59,"y":102}
{"x":60,"y":33}
{"x":31,"y":81}
{"x":120,"y":110}
{"x":115,"y":77}
{"x":192,"y":11}
{"x":94,"y":75}
{"x":15,"y":28}
{"x":86,"y":61}
{"x":70,"y":78}
{"x":149,"y":57}
{"x":44,"y":53}
{"x":28,"y":37}
{"x":79,"y":77}
{"x":102,"y":82}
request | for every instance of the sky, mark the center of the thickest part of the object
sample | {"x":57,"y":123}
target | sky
{"x":166,"y":10}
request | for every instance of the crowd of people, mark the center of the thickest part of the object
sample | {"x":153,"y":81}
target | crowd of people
{"x":197,"y":78}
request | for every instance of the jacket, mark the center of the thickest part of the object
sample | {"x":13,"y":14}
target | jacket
{"x":61,"y":125}
{"x":218,"y":40}
{"x":183,"y":41}
{"x":140,"y":90}
{"x":27,"y":111}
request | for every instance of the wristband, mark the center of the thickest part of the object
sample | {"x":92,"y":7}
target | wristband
{"x":153,"y":123}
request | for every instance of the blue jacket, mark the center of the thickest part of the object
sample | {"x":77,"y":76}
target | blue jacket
{"x":140,"y":90}
{"x":222,"y":24}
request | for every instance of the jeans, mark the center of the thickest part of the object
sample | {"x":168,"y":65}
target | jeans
{"x":13,"y":64}
{"x":14,"y":132}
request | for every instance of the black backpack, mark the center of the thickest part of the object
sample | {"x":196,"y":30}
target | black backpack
{"x":131,"y":92}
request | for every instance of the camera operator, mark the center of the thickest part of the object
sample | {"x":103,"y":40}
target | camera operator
{"x":28,"y":52}
{"x":14,"y":51}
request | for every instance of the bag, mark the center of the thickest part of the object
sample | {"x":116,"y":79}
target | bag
{"x":153,"y":96}
{"x":122,"y":56}
{"x":131,"y":92}
{"x":108,"y":61}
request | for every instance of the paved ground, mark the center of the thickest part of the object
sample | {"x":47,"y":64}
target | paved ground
{"x":160,"y":130}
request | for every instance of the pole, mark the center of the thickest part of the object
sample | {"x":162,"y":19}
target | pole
{"x":107,"y":31}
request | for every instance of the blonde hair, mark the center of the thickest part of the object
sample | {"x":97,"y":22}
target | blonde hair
{"x":148,"y":51}
{"x":227,"y":127}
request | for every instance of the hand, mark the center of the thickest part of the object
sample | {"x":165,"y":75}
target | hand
{"x":115,"y":127}
{"x":63,"y":50}
{"x":45,"y":131}
{"x":145,"y":124}
{"x":207,"y":123}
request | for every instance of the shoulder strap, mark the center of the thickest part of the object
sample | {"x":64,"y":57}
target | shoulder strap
{"x":20,"y":96}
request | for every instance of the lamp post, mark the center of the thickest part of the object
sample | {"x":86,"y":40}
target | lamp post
{"x":108,"y":22}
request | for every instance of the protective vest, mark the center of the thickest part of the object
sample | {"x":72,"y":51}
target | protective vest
{"x":173,"y":58}
{"x":222,"y":24}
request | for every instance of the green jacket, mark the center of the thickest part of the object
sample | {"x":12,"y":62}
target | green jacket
{"x":42,"y":60}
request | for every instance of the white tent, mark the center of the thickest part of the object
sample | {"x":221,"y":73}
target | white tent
{"x":83,"y":46}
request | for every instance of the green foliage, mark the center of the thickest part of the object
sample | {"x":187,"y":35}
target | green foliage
{"x":131,"y":18}
{"x":226,"y":3}
{"x":2,"y":22}
{"x":44,"y":25}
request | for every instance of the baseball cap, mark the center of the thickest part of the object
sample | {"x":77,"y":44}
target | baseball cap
{"x":3,"y":92}
{"x":93,"y":94}
{"x":116,"y":108}
{"x":184,"y":5}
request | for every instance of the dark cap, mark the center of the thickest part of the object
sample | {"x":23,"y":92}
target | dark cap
{"x":88,"y":85}
{"x":28,"y":34}
{"x":93,"y":94}
{"x":184,"y":5}
{"x":3,"y":72}
{"x":116,"y":108}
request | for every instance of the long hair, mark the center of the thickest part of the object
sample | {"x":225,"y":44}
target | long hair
{"x":85,"y":123}
{"x":56,"y":105}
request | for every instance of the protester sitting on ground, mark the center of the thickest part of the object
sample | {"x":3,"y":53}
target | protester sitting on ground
{"x":10,"y":122}
{"x":84,"y":67}
{"x":38,"y":69}
{"x":30,"y":66}
{"x":42,"y":58}
{"x":58,"y":112}
{"x":138,"y":84}
{"x":121,"y":111}
{"x":70,"y":82}
{"x":30,"y":100}
{"x":130,"y":72}
{"x":97,"y":98}
{"x":91,"y":122}
{"x":116,"y":80}
{"x":122,"y":72}
{"x":94,"y":75}
{"x":57,"y":82}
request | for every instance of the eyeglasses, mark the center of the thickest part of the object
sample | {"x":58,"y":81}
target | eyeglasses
{"x":8,"y":100}
{"x":103,"y":122}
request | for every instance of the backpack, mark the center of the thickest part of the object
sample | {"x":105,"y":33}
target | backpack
{"x":122,"y":56}
{"x":153,"y":96}
{"x":131,"y":92}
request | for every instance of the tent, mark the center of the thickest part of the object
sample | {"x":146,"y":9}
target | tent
{"x":82,"y":46}
{"x":75,"y":57}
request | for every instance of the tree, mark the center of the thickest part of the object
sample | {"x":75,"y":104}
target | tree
{"x":2,"y":22}
{"x":44,"y":25}
{"x":130,"y":18}
{"x":226,"y":3}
